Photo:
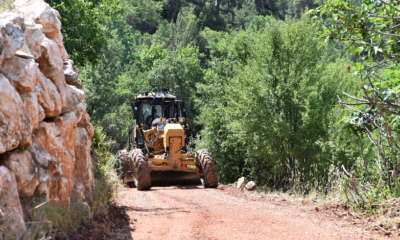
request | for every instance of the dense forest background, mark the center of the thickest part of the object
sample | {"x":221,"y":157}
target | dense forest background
{"x":261,"y":81}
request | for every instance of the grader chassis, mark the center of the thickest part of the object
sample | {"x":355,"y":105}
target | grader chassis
{"x":157,"y":146}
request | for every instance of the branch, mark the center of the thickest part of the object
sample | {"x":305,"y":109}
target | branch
{"x":358,"y":99}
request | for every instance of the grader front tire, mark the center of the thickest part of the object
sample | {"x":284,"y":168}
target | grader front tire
{"x":210,"y":179}
{"x":140,"y":170}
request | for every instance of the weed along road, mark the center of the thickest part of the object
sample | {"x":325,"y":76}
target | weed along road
{"x":192,"y":212}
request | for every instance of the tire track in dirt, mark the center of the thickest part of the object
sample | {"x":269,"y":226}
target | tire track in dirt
{"x":192,"y":212}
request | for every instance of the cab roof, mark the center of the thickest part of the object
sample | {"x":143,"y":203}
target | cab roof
{"x":151,"y":95}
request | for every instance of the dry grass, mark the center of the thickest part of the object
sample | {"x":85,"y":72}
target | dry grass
{"x":5,"y":5}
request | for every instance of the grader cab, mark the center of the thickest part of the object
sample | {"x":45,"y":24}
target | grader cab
{"x":157,"y":152}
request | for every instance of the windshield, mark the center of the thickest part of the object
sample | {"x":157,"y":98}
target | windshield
{"x":145,"y":112}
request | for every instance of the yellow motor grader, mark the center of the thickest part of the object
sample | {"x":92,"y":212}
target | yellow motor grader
{"x":157,"y":146}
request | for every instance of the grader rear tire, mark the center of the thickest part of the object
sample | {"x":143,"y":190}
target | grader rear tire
{"x":139,"y":169}
{"x":123,"y":164}
{"x":210,"y":179}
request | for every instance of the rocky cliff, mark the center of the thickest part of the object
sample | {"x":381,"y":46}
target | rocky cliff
{"x":45,"y":130}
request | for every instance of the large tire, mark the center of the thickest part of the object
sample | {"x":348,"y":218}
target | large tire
{"x":123,"y":169}
{"x":210,"y":178}
{"x":139,"y":169}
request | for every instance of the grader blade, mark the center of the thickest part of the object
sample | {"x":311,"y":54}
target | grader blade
{"x":168,"y":178}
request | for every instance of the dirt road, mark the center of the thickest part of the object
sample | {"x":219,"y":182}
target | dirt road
{"x":191,"y":212}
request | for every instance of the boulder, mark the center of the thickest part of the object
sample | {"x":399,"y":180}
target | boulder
{"x":31,"y":106}
{"x":76,"y":102}
{"x":48,"y":97}
{"x":11,"y":38}
{"x":83,"y":169}
{"x":15,"y":19}
{"x":49,"y":171}
{"x":15,"y":127}
{"x":241,"y":183}
{"x":21,"y":163}
{"x":51,"y":65}
{"x":49,"y":137}
{"x":41,"y":114}
{"x":21,"y":72}
{"x":251,"y":186}
{"x":58,"y":38}
{"x":85,"y":123}
{"x":71,"y":74}
{"x":11,"y":213}
{"x":41,"y":13}
{"x":33,"y":38}
{"x":67,"y":126}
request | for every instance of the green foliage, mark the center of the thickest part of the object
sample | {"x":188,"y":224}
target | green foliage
{"x":268,"y":101}
{"x":369,"y":30}
{"x":82,"y":28}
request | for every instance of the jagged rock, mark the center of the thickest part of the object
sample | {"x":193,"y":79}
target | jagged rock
{"x":12,"y":214}
{"x":33,"y":38}
{"x":50,"y":62}
{"x":241,"y":183}
{"x":11,"y":38}
{"x":51,"y":65}
{"x":83,"y":169}
{"x":41,"y":114}
{"x":31,"y":106}
{"x":21,"y":163}
{"x":48,"y":96}
{"x":15,"y":127}
{"x":21,"y":72}
{"x":76,"y":102}
{"x":85,"y":123}
{"x":43,"y":14}
{"x":58,"y":38}
{"x":49,"y":171}
{"x":40,"y":12}
{"x":71,"y":74}
{"x":67,"y":126}
{"x":48,"y":135}
{"x":251,"y":186}
{"x":15,"y":19}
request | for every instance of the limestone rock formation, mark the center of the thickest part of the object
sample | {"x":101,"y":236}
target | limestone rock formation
{"x":43,"y":14}
{"x":48,"y":96}
{"x":45,"y":130}
{"x":11,"y":211}
{"x":76,"y":102}
{"x":31,"y":106}
{"x":21,"y":163}
{"x":21,"y":72}
{"x":11,"y":36}
{"x":71,"y":74}
{"x":33,"y":38}
{"x":51,"y":65}
{"x":15,"y":127}
{"x":83,"y":180}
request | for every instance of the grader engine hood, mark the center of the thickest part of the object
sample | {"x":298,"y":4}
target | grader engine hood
{"x":173,"y":130}
{"x":174,"y":141}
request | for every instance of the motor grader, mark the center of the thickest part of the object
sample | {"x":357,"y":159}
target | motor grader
{"x":157,"y":152}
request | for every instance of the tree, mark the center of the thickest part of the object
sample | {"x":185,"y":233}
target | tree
{"x":83,"y":28}
{"x":371,"y":32}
